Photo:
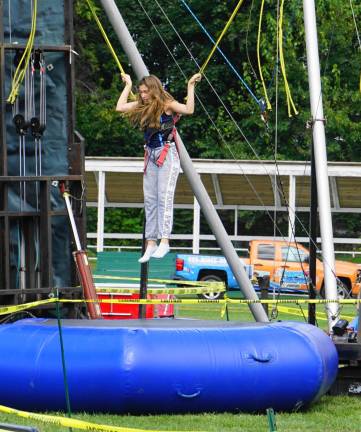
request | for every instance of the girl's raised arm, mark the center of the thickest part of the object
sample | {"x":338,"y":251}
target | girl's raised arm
{"x":188,"y":107}
{"x":123,"y":105}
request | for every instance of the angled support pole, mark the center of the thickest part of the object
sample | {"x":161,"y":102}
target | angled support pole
{"x":187,"y":166}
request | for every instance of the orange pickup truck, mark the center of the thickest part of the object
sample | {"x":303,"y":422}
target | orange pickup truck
{"x":273,"y":257}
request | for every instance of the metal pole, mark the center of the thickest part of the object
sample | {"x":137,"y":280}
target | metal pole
{"x":72,"y":221}
{"x":143,"y":287}
{"x":196,"y":225}
{"x":319,"y":143}
{"x":313,"y":240}
{"x":101,"y":203}
{"x":188,"y":169}
{"x":292,"y":208}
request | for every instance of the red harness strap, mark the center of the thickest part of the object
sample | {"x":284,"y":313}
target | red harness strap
{"x":172,"y":136}
{"x":163,"y":154}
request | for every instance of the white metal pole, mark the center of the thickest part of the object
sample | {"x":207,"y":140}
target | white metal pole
{"x":189,"y":171}
{"x":319,"y":143}
{"x":196,"y":225}
{"x":72,"y":221}
{"x":101,"y":200}
{"x":236,"y":222}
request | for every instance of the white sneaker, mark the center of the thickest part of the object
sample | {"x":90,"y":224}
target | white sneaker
{"x":162,"y":251}
{"x":147,"y":254}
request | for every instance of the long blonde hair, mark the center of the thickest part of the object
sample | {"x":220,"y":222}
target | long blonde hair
{"x":148,"y":114}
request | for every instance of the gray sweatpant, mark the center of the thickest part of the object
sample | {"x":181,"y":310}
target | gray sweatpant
{"x":159,"y":185}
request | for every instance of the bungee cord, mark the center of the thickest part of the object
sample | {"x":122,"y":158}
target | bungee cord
{"x":290,"y":103}
{"x":258,"y":101}
{"x":101,"y":28}
{"x":21,"y":68}
{"x":229,"y":22}
{"x":268,"y":103}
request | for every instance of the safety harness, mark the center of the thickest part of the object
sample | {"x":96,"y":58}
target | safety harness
{"x":168,"y":133}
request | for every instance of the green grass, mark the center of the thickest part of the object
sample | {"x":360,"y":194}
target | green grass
{"x":336,"y":414}
{"x":347,"y":257}
{"x":241,"y":312}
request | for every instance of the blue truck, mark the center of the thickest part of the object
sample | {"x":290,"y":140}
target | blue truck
{"x":207,"y":268}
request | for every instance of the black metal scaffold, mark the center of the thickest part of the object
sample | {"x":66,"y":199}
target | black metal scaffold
{"x":30,"y":231}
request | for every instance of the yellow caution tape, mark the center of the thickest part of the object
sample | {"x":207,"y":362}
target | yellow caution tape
{"x":177,"y":291}
{"x":70,"y":422}
{"x":220,"y":301}
{"x":212,"y":284}
{"x":11,"y":309}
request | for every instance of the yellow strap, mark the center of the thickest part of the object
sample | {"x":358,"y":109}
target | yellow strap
{"x":290,"y":103}
{"x":20,"y":72}
{"x":269,"y":106}
{"x":201,"y":70}
{"x":101,"y":28}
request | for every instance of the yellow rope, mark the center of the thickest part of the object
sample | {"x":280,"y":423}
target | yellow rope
{"x":269,"y":106}
{"x":101,"y":28}
{"x":201,"y":70}
{"x":20,"y":71}
{"x":290,"y":103}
